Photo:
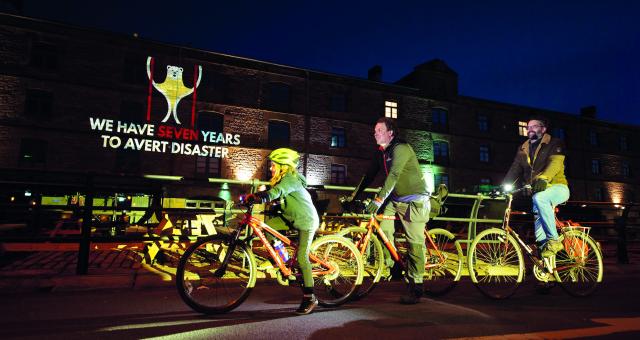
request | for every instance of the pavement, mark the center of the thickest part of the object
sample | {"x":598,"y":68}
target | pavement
{"x":138,"y":269}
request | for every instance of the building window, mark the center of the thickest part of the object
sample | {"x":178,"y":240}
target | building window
{"x":626,"y":169}
{"x":44,"y":56}
{"x":33,"y":152}
{"x":338,"y":138}
{"x":439,"y":117}
{"x":595,"y":166}
{"x":522,"y":129}
{"x":485,"y":181}
{"x":38,"y":104}
{"x":440,"y":151}
{"x":338,"y":174}
{"x":624,"y":143}
{"x":483,"y":123}
{"x":134,"y":70}
{"x":484,"y":154}
{"x":440,"y":179}
{"x":559,"y":133}
{"x":598,"y":195}
{"x":593,"y":138}
{"x":277,"y":97}
{"x":338,"y":102}
{"x":390,"y":109}
{"x":279,"y":134}
{"x":213,"y":122}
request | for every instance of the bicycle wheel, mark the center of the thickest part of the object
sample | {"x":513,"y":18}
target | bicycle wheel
{"x":579,"y":265}
{"x":371,"y":255}
{"x":202,"y":283}
{"x":335,"y":286}
{"x":443,"y":263}
{"x":496,"y":264}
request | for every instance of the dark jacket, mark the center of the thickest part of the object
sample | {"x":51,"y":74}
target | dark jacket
{"x":404,"y":178}
{"x":547,"y":163}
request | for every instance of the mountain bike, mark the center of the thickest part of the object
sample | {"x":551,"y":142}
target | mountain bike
{"x":443,"y":256}
{"x":496,"y":262}
{"x":217,"y":273}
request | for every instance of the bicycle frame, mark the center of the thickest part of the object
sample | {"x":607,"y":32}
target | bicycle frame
{"x":374,"y":225}
{"x":258,"y":228}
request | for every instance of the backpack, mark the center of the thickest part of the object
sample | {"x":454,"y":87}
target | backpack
{"x":437,"y":201}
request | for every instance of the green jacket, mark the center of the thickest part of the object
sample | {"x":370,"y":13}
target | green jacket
{"x":404,"y":181}
{"x":547,"y":163}
{"x":297,"y":207}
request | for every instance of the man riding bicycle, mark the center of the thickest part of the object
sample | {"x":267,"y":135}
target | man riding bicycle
{"x":405,"y":191}
{"x":540,"y":162}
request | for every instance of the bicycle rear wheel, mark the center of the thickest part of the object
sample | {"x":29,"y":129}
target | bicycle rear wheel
{"x":202,"y":283}
{"x":579,"y":265}
{"x":443,"y":263}
{"x":335,"y":286}
{"x":496,"y":264}
{"x":371,"y":255}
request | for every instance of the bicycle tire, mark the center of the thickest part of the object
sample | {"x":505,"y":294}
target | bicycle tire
{"x":338,"y":286}
{"x":496,"y":267}
{"x":579,"y":267}
{"x":207,"y":292}
{"x":372,"y":256}
{"x":444,"y":262}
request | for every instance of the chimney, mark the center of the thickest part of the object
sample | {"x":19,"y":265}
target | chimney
{"x":375,"y":73}
{"x":588,"y":112}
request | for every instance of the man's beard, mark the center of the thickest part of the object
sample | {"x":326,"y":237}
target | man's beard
{"x":533,"y":136}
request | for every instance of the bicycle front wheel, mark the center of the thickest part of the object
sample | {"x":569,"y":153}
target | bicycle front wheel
{"x":443,"y":262}
{"x":579,"y":265}
{"x":207,"y":286}
{"x":496,"y":264}
{"x":371,"y":255}
{"x":337,"y":270}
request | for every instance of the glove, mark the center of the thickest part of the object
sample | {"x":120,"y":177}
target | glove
{"x":249,"y":199}
{"x":374,"y":205}
{"x":539,"y":185}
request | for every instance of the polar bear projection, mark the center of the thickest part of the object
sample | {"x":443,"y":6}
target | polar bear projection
{"x":173,"y":88}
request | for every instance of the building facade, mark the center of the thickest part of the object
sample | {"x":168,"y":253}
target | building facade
{"x":75,"y":100}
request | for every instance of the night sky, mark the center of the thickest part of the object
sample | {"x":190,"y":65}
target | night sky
{"x":557,"y":55}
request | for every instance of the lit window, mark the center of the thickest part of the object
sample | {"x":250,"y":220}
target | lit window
{"x":440,"y":179}
{"x":484,"y":154}
{"x":595,"y":166}
{"x":338,"y":174}
{"x":522,"y":128}
{"x":391,"y":109}
{"x":483,"y":123}
{"x":439,"y":117}
{"x":338,"y":138}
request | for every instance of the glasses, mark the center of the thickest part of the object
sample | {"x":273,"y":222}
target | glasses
{"x":534,"y":126}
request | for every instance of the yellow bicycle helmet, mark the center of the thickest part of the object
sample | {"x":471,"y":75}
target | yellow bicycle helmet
{"x":285,"y":156}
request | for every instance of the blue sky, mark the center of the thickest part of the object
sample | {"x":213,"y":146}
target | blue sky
{"x":557,"y":55}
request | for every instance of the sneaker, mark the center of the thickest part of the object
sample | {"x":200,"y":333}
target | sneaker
{"x":307,"y":305}
{"x":552,"y":247}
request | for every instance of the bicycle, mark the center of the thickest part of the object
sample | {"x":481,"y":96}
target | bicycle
{"x":217,"y":273}
{"x":496,"y":263}
{"x":443,"y":256}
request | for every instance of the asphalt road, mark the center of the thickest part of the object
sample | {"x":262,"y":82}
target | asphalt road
{"x":612,"y":312}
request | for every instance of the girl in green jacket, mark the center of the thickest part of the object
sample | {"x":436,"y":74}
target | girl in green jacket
{"x":298,"y":209}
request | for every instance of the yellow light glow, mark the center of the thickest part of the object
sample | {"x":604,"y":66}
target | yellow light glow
{"x":244,"y":174}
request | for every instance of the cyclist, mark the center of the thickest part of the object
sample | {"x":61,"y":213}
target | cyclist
{"x":406,"y":190}
{"x":298,"y":209}
{"x":540,"y":162}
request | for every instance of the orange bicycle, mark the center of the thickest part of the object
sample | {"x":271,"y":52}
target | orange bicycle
{"x":443,"y":256}
{"x":217,"y":273}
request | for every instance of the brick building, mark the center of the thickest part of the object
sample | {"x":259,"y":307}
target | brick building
{"x":61,"y":87}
